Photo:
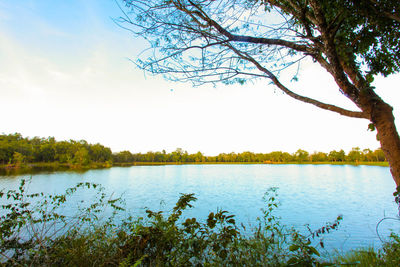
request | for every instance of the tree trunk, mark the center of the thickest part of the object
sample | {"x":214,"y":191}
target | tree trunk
{"x":381,"y":115}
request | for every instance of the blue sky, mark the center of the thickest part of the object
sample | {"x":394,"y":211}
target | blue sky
{"x":64,"y":72}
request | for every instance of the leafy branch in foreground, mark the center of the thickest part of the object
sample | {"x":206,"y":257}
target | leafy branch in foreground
{"x":31,"y":222}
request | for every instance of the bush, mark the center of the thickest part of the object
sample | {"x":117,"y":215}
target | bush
{"x":33,"y":231}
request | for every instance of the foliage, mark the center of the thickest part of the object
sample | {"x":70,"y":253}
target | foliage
{"x":300,"y":156}
{"x":18,"y":158}
{"x":388,"y":256}
{"x":34,"y":232}
{"x":33,"y":227}
{"x":17,"y":150}
{"x":375,"y":39}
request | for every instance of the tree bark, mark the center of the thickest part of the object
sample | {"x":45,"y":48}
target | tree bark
{"x":381,"y":115}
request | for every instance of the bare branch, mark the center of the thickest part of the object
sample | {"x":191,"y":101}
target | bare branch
{"x":243,"y":38}
{"x":275,"y":80}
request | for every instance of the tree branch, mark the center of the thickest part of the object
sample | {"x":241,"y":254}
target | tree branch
{"x":386,"y":13}
{"x":275,"y":80}
{"x":238,"y":38}
{"x":335,"y":67}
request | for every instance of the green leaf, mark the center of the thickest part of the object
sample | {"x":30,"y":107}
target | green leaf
{"x":371,"y":127}
{"x":231,"y":221}
{"x":292,"y":260}
{"x":314,"y":251}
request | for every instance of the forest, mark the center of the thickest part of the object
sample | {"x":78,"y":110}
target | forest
{"x":16,"y":150}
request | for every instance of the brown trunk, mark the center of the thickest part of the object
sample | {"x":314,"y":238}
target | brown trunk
{"x":383,"y":119}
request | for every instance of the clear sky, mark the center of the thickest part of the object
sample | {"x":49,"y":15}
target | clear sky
{"x":64,"y":72}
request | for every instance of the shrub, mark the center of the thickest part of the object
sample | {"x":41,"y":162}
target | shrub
{"x":33,"y":231}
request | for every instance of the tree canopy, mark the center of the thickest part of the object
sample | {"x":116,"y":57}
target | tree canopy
{"x":239,"y":40}
{"x":14,"y":148}
{"x":300,"y":156}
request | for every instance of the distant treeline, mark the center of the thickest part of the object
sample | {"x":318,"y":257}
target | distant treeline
{"x":17,"y":150}
{"x":355,"y":155}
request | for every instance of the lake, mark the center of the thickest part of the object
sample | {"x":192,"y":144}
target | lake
{"x":309,"y":194}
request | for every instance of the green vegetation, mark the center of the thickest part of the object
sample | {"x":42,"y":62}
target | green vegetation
{"x":34,"y":232}
{"x":29,"y":153}
{"x":355,"y":156}
{"x":17,"y":151}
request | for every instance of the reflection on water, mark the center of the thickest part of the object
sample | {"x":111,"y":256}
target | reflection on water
{"x":33,"y":170}
{"x":309,"y":194}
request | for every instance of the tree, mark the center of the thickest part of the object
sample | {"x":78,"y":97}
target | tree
{"x":81,"y":157}
{"x":301,"y":155}
{"x":379,"y":155}
{"x":177,"y":155}
{"x":123,"y":157}
{"x":198,"y":157}
{"x":354,"y":155}
{"x":99,"y":153}
{"x":18,"y":159}
{"x":205,"y":41}
{"x":368,"y":155}
{"x":319,"y":157}
{"x":46,"y":153}
{"x":337,"y":156}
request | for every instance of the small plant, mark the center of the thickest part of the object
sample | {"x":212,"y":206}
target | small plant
{"x":32,"y":223}
{"x":174,"y":241}
{"x":18,"y":159}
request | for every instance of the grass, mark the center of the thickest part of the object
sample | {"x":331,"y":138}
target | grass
{"x":388,"y":256}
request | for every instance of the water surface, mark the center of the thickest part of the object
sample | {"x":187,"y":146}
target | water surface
{"x":309,"y":194}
